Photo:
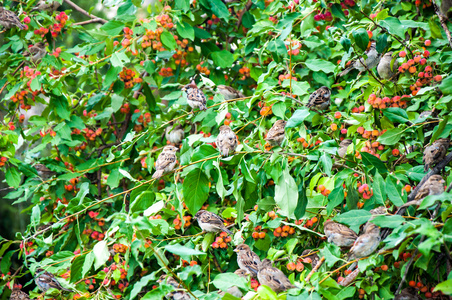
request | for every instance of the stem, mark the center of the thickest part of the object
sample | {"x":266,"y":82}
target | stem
{"x":84,"y":12}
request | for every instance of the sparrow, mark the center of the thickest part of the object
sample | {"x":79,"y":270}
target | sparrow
{"x":44,"y":172}
{"x":371,"y":228}
{"x":233,"y":290}
{"x":384,"y":66}
{"x":313,"y":259}
{"x":433,"y":186}
{"x":435,"y":153}
{"x":17,"y":294}
{"x":36,"y":52}
{"x":360,"y":65}
{"x":8,"y":19}
{"x":320,"y":99}
{"x":48,"y":6}
{"x":226,"y":141}
{"x":276,"y":134}
{"x":342,"y":151}
{"x":364,"y":246}
{"x":273,"y":277}
{"x":247,"y":260}
{"x":241,"y":273}
{"x":166,"y":161}
{"x":210,"y":222}
{"x":46,"y":280}
{"x":229,"y":93}
{"x":408,"y":293}
{"x":175,"y":135}
{"x":339,"y":234}
{"x":175,"y":295}
{"x":195,"y":97}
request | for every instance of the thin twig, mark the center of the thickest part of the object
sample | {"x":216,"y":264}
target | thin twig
{"x":97,"y":20}
{"x":317,"y":266}
{"x":442,"y":20}
{"x":84,"y":12}
{"x":239,"y":22}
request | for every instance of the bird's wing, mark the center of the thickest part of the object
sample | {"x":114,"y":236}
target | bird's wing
{"x":164,"y":160}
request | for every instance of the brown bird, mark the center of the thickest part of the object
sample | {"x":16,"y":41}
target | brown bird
{"x":384,"y":66}
{"x":276,"y":134}
{"x":408,"y":293}
{"x":313,"y":259}
{"x":361,"y":65}
{"x":365,"y":245}
{"x":247,"y":260}
{"x":435,"y":153}
{"x":17,"y":294}
{"x":226,"y":141}
{"x":343,"y":146}
{"x":47,"y":6}
{"x":36,"y":52}
{"x":8,"y":19}
{"x":433,"y":186}
{"x":229,"y":93}
{"x":166,"y":161}
{"x":195,"y":97}
{"x":371,"y":228}
{"x":241,"y":273}
{"x":210,"y":222}
{"x":175,"y":295}
{"x":273,"y":277}
{"x":46,"y":280}
{"x":339,"y":234}
{"x":44,"y":172}
{"x":174,"y":135}
{"x":320,"y":99}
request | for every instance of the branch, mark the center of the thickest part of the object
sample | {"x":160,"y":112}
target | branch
{"x":84,"y":12}
{"x":442,"y":20}
{"x":408,"y":265}
{"x":315,"y":268}
{"x":239,"y":22}
{"x":95,"y":20}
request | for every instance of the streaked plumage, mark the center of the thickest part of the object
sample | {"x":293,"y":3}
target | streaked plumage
{"x":210,"y":222}
{"x":226,"y":141}
{"x":273,"y":277}
{"x":44,"y":172}
{"x":8,"y":19}
{"x":195,"y":97}
{"x":342,"y":151}
{"x":229,"y":93}
{"x":247,"y":260}
{"x":371,"y":61}
{"x":339,"y":234}
{"x":166,"y":161}
{"x":433,"y":186}
{"x":174,"y":135}
{"x":179,"y":294}
{"x":365,"y":245}
{"x":46,"y":280}
{"x":17,"y":294}
{"x":320,"y":99}
{"x":384,"y":66}
{"x":435,"y":153}
{"x":276,"y":134}
{"x":241,"y":273}
{"x":48,"y":6}
{"x":36,"y":52}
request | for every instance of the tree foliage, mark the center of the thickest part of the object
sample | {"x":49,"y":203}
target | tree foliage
{"x":110,"y":230}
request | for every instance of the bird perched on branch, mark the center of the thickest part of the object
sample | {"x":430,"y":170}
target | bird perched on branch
{"x":17,"y":294}
{"x":44,"y":172}
{"x":174,"y":135}
{"x":343,"y":146}
{"x":8,"y":19}
{"x":36,"y":52}
{"x":175,"y":295}
{"x":365,"y":245}
{"x":166,"y":161}
{"x":320,"y":99}
{"x":247,"y":260}
{"x":433,"y":186}
{"x":276,"y":134}
{"x":229,"y":93}
{"x":46,"y":280}
{"x":195,"y":97}
{"x":210,"y":222}
{"x":361,"y":65}
{"x":226,"y":141}
{"x":435,"y":153}
{"x":339,"y":234}
{"x":384,"y":66}
{"x":48,"y":6}
{"x":273,"y":277}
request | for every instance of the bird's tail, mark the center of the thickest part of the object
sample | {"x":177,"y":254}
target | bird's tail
{"x":225,"y":151}
{"x":67,"y":290}
{"x":157,"y":174}
{"x":21,"y":26}
{"x":345,"y":72}
{"x":203,"y":107}
{"x":227,"y":230}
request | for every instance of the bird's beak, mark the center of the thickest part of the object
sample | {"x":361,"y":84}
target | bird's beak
{"x":235,"y":250}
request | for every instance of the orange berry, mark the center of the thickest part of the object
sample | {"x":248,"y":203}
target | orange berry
{"x":255,"y":235}
{"x":384,"y":268}
{"x":262,"y":235}
{"x":291,"y":266}
{"x":412,"y":283}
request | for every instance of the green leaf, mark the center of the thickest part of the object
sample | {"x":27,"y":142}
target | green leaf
{"x":394,"y":26}
{"x":113,"y":27}
{"x":346,"y":43}
{"x":183,"y":5}
{"x":336,"y":10}
{"x":62,"y":107}
{"x":445,"y":287}
{"x":335,"y":198}
{"x":361,"y":38}
{"x":223,"y":58}
{"x":434,"y":28}
{"x":186,"y":31}
{"x":297,"y":118}
{"x":438,"y":130}
{"x":393,"y":192}
{"x":5,"y":262}
{"x":382,"y":42}
{"x":446,"y":85}
{"x":353,"y":218}
{"x":219,"y":9}
{"x":327,"y":163}
{"x":76,"y":268}
{"x":12,"y":177}
{"x":35,"y":85}
{"x":320,"y":65}
{"x":195,"y":189}
{"x":379,"y":189}
{"x":371,"y":160}
{"x":226,"y":280}
{"x":101,"y":254}
{"x":352,"y":198}
{"x":391,"y":136}
{"x":158,"y":293}
{"x":150,"y":99}
{"x":286,"y":194}
{"x":396,"y":114}
{"x":182,"y":250}
{"x":388,"y":221}
{"x":168,"y":40}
